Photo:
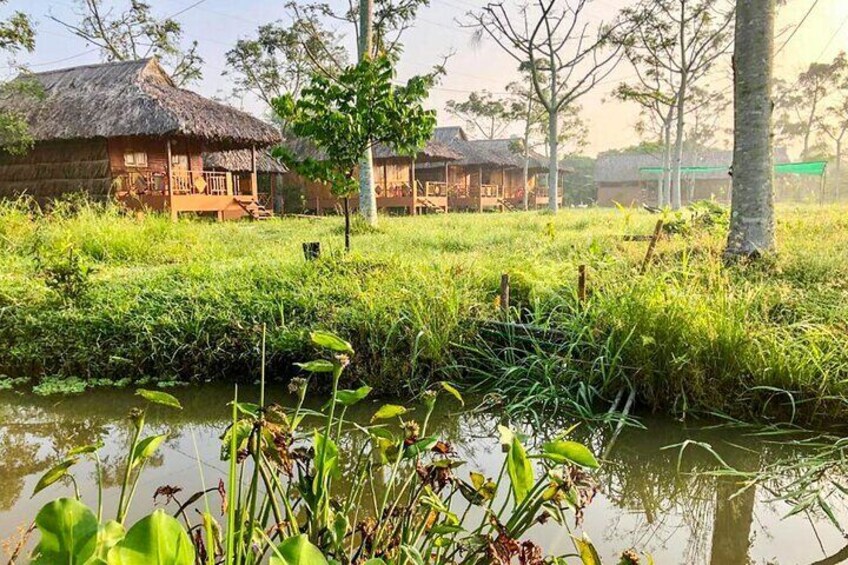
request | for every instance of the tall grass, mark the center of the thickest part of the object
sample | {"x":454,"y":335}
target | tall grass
{"x":184,"y":300}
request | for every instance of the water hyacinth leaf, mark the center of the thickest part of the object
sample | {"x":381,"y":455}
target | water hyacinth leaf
{"x":317,"y":366}
{"x":248,"y":408}
{"x":564,"y":451}
{"x":351,"y":397}
{"x":453,"y":391}
{"x":157,"y":538}
{"x":238,"y":433}
{"x":146,"y":447}
{"x":297,"y":550}
{"x":443,"y":529}
{"x":159,"y":397}
{"x":108,"y":536}
{"x":68,"y":531}
{"x":332,"y":342}
{"x":588,"y":553}
{"x":420,"y":446}
{"x":54,"y":474}
{"x":85,"y":449}
{"x":520,"y":470}
{"x":388,"y":411}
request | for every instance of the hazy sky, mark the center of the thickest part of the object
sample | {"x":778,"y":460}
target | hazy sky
{"x":217,"y":24}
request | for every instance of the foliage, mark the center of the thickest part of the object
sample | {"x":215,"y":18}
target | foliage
{"x":483,"y":113}
{"x":16,"y":34}
{"x":136,"y":34}
{"x":349,"y":114}
{"x":284,"y":498}
{"x":181,"y":302}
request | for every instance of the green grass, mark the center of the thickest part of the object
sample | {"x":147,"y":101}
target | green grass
{"x":185,"y":301}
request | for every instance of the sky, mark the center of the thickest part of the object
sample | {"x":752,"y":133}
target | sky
{"x":218,"y":24}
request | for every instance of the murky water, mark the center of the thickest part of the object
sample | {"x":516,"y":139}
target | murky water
{"x":680,"y":518}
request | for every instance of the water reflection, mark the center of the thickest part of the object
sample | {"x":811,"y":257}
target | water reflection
{"x":679,"y":517}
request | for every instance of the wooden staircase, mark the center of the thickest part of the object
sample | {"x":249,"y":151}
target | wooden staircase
{"x":255,"y":210}
{"x":507,"y":205}
{"x":431,"y":206}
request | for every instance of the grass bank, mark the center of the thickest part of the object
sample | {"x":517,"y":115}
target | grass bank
{"x":90,"y":296}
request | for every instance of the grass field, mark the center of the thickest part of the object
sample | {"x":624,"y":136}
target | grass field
{"x":89,"y":296}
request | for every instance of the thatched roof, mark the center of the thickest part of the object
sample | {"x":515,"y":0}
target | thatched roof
{"x":625,"y":167}
{"x":502,"y":153}
{"x":240,"y":161}
{"x":131,"y":98}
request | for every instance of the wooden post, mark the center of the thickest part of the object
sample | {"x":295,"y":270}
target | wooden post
{"x":254,"y":188}
{"x":652,"y":245}
{"x":169,"y":169}
{"x":414,"y":188}
{"x":505,"y":294}
{"x":480,"y":191}
{"x":312,"y":250}
{"x":581,"y":283}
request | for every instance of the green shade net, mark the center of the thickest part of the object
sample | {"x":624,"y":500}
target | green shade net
{"x":811,"y":168}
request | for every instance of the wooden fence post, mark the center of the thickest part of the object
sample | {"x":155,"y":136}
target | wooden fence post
{"x":581,"y":283}
{"x":505,"y":293}
{"x":312,"y":250}
{"x":652,"y":245}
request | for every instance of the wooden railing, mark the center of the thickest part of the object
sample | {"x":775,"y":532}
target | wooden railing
{"x":475,"y":191}
{"x":393,"y":189}
{"x":210,"y":183}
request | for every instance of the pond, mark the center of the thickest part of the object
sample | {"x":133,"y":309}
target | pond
{"x":646,"y":501}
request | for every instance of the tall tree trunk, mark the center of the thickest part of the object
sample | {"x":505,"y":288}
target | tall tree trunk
{"x":664,"y":198}
{"x":752,"y":223}
{"x":527,"y":127}
{"x":367,"y":195}
{"x":838,"y":179}
{"x":553,"y":169}
{"x":677,"y":174}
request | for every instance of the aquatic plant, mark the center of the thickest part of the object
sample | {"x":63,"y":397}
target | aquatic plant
{"x":333,"y":492}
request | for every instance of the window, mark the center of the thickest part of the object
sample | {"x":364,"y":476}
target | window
{"x":135,"y":159}
{"x":179,"y":162}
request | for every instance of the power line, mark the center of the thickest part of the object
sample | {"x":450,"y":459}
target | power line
{"x":832,"y":37}
{"x":801,"y":23}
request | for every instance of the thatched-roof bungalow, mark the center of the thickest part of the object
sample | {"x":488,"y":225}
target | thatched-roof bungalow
{"x":125,"y":129}
{"x":395,"y":181}
{"x":239,"y":163}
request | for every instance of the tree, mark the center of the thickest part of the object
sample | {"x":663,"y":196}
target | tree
{"x":483,"y":113}
{"x":752,"y":223}
{"x":280,"y":59}
{"x":526,"y":107}
{"x":378,"y":26}
{"x":834,"y":123}
{"x":679,"y":41}
{"x":135,"y":34}
{"x":551,"y":39}
{"x":16,"y":35}
{"x":347,"y":115}
{"x":800,"y":103}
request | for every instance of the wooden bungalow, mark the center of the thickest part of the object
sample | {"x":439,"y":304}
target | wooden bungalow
{"x":124,"y":129}
{"x":395,"y":182}
{"x":239,"y":163}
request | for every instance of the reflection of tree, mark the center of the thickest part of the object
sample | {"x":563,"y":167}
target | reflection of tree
{"x":732,"y":522}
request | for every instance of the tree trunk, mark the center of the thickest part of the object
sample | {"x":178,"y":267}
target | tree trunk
{"x":367,"y":195}
{"x":347,"y":222}
{"x":752,"y":223}
{"x":838,"y":179}
{"x":526,"y":172}
{"x":676,"y":175}
{"x":664,"y":198}
{"x":553,"y":169}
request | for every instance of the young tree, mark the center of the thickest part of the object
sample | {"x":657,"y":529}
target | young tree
{"x":680,"y":41}
{"x":347,"y":115}
{"x":16,"y":35}
{"x":135,"y":34}
{"x":752,"y":223}
{"x":527,"y":109}
{"x":565,"y":60}
{"x":280,"y":59}
{"x":378,"y":26}
{"x":483,"y":113}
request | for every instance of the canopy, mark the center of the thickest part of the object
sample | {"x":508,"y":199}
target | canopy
{"x":809,"y":168}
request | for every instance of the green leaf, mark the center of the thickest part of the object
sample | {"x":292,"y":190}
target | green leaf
{"x":452,"y":390}
{"x":53,"y":475}
{"x":317,"y":366}
{"x":375,"y":561}
{"x":569,"y":452}
{"x":351,"y":397}
{"x":157,"y":538}
{"x":520,"y":470}
{"x":68,"y":531}
{"x":108,"y":536}
{"x":588,"y":553}
{"x":388,"y":411}
{"x":506,"y":437}
{"x":147,"y":447}
{"x":159,"y":397}
{"x":297,"y":550}
{"x":422,"y":445}
{"x":331,"y":341}
{"x":85,"y":449}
